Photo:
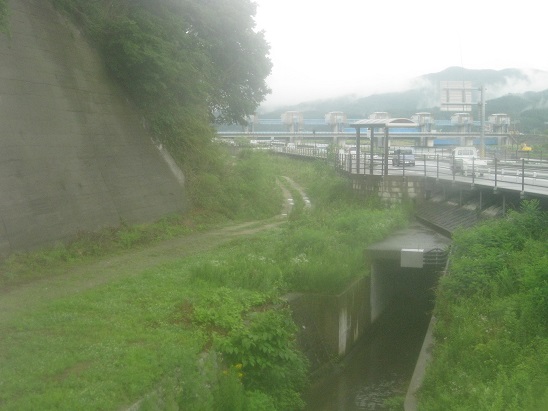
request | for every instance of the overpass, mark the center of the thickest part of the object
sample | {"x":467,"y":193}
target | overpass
{"x":505,"y":175}
{"x":426,"y":139}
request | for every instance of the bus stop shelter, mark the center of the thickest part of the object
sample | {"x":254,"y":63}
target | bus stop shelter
{"x":375,"y":124}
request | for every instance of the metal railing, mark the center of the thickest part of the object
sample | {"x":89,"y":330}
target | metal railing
{"x":503,"y":170}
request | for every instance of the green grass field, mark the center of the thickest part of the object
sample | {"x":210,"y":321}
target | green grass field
{"x":171,"y":317}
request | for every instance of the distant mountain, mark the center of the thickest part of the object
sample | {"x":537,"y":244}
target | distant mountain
{"x":523,"y":94}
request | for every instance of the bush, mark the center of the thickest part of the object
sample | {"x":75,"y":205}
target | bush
{"x":492,"y":319}
{"x":270,"y":361}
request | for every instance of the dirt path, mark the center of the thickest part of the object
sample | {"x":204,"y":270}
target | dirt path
{"x":307,"y":203}
{"x":77,"y":278}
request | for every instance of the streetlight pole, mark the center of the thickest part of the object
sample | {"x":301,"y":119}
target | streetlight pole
{"x":482,"y":121}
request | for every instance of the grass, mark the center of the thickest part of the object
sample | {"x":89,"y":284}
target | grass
{"x":132,"y":319}
{"x":200,"y":325}
{"x":58,"y":357}
{"x":246,"y":191}
{"x":492,"y":330}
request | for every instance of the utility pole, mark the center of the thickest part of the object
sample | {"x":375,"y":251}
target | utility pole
{"x":482,"y":121}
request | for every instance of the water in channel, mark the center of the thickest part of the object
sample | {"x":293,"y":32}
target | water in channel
{"x":382,"y":364}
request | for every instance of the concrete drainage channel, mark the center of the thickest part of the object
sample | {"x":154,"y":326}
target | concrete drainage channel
{"x":348,"y":337}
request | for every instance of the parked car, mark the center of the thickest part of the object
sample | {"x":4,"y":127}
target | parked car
{"x":403,"y":156}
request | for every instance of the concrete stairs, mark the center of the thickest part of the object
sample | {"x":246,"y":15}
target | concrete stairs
{"x":446,"y":215}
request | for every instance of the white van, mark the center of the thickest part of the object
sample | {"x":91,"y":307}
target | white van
{"x":466,"y":160}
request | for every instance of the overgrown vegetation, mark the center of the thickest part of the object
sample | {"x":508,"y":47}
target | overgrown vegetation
{"x":320,"y":252}
{"x":207,"y":332}
{"x":492,"y":319}
{"x":4,"y":14}
{"x":185,"y":64}
{"x":211,"y":332}
{"x":245,"y":190}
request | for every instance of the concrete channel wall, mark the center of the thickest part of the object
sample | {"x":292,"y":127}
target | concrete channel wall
{"x":74,"y":155}
{"x":330,"y":325}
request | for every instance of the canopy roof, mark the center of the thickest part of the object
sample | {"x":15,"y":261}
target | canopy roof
{"x":384,"y":122}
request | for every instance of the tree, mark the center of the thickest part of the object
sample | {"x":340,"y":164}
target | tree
{"x":182,"y":61}
{"x":238,"y":53}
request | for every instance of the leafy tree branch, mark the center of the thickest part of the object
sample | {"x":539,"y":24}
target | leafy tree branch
{"x":186,"y":63}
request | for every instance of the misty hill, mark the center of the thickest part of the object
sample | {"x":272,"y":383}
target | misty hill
{"x":511,"y":91}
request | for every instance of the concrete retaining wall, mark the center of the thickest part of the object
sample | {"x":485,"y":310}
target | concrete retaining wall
{"x":390,"y":189}
{"x":383,"y":289}
{"x":74,"y":155}
{"x":330,"y":325}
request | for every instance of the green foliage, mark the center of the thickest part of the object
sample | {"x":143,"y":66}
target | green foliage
{"x":56,"y":357}
{"x":257,"y":341}
{"x":323,"y":251}
{"x":320,"y":252}
{"x":4,"y":16}
{"x":492,"y":319}
{"x":256,"y":184}
{"x":476,"y":263}
{"x":22,"y":267}
{"x":242,"y":267}
{"x":322,"y":184}
{"x":242,"y":189}
{"x":395,"y":403}
{"x":184,"y":63}
{"x":204,"y":333}
{"x":229,"y":393}
{"x":234,"y":302}
{"x":270,"y":361}
{"x":238,"y":55}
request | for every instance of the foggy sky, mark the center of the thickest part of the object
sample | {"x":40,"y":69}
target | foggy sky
{"x":323,"y":49}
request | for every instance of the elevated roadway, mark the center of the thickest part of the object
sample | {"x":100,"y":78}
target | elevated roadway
{"x":525,"y":176}
{"x":445,"y":200}
{"x":427,"y":139}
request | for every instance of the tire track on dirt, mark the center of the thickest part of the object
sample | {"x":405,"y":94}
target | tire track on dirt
{"x":299,"y":189}
{"x":72,"y":279}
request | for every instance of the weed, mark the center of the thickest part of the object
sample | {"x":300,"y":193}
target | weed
{"x":492,"y":332}
{"x":166,"y":336}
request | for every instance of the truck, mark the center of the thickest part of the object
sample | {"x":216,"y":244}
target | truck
{"x":466,"y":160}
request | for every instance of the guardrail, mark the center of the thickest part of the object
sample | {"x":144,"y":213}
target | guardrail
{"x":521,"y":174}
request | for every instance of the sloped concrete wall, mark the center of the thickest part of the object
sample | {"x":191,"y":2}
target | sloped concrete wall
{"x":74,"y":155}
